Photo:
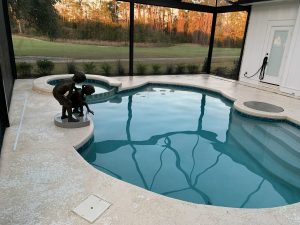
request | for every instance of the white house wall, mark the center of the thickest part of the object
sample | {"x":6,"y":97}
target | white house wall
{"x":291,"y":76}
{"x":256,"y":40}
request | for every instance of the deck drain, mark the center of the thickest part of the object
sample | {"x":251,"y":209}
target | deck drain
{"x":91,"y":208}
{"x":263,"y":106}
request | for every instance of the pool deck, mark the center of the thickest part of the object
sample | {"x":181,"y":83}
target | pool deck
{"x":42,"y":177}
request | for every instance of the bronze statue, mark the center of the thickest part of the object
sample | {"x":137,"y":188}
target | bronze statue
{"x":59,"y":91}
{"x":78,"y":99}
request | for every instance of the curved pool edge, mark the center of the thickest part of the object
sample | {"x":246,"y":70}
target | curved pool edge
{"x":157,"y":195}
{"x":86,"y":138}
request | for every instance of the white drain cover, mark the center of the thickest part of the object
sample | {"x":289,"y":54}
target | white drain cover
{"x":91,"y":208}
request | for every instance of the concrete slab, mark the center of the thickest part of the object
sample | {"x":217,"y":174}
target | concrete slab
{"x":45,"y":178}
{"x":91,"y":208}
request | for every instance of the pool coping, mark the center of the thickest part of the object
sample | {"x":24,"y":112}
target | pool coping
{"x":130,"y":204}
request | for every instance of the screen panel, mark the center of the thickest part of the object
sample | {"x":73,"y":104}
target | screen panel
{"x":170,"y":41}
{"x":90,"y":36}
{"x":228,"y":43}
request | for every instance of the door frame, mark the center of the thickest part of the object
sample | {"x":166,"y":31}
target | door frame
{"x":272,"y":25}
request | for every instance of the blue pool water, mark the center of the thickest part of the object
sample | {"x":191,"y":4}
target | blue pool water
{"x":194,"y":146}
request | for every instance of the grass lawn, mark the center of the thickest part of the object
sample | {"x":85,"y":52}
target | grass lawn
{"x":24,"y":46}
{"x":174,"y":55}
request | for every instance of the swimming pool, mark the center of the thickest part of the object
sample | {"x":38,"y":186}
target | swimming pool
{"x":194,"y":146}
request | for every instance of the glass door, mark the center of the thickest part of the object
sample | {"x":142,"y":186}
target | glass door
{"x":277,"y":48}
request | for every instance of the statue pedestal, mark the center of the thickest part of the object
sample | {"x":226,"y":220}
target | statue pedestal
{"x":83,"y":121}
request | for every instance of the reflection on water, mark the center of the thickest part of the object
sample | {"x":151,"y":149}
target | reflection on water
{"x":193,"y":146}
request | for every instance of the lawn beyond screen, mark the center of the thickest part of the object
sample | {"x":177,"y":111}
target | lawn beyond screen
{"x":93,"y":36}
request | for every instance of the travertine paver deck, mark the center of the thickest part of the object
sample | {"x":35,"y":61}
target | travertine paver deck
{"x":45,"y":178}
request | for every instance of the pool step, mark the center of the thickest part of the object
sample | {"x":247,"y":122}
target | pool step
{"x":279,"y":134}
{"x":264,"y":141}
{"x":267,"y":158}
{"x":271,"y":164}
{"x":291,"y":131}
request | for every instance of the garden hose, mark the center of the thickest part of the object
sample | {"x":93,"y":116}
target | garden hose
{"x":261,"y":70}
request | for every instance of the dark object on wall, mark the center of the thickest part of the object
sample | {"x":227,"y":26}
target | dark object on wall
{"x":263,"y":67}
{"x":261,"y":70}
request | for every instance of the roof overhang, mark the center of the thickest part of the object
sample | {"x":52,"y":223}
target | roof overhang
{"x":254,"y":2}
{"x":191,"y":5}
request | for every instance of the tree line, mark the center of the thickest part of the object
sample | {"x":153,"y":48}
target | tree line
{"x":108,"y":20}
{"x":34,"y":16}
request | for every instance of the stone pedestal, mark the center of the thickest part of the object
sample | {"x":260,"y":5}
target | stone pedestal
{"x":83,"y":121}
